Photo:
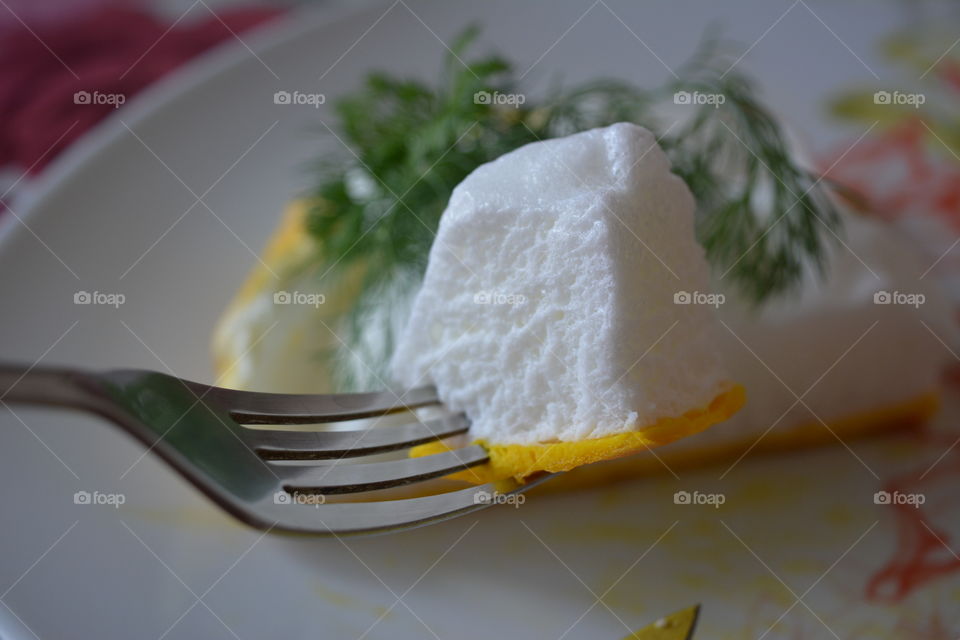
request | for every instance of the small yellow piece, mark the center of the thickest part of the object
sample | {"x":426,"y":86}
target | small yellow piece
{"x":676,"y":626}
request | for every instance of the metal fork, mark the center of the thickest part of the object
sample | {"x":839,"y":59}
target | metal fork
{"x":248,"y":471}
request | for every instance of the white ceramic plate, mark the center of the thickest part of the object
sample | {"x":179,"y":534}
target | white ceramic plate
{"x":114,"y":215}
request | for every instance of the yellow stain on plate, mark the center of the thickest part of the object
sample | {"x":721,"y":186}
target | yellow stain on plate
{"x":772,"y":588}
{"x":706,"y":528}
{"x":344,"y":601}
{"x":617,"y":594}
{"x":841,"y":515}
{"x":605,"y":532}
{"x":697,"y":581}
{"x":803,"y":566}
{"x":207,"y":520}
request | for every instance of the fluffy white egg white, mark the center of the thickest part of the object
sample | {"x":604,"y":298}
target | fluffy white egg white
{"x":560,"y":299}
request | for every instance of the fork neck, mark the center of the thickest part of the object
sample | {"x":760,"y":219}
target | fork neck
{"x":37,"y":384}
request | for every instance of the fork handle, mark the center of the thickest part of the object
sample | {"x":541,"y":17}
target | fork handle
{"x":37,"y":384}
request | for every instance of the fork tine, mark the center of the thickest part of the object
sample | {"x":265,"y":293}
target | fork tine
{"x":323,"y":445}
{"x":353,"y":478}
{"x":249,"y":407}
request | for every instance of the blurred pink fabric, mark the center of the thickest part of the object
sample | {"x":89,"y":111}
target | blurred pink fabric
{"x":50,"y":51}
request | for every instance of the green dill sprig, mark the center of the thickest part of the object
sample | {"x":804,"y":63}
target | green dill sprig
{"x":761,"y":218}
